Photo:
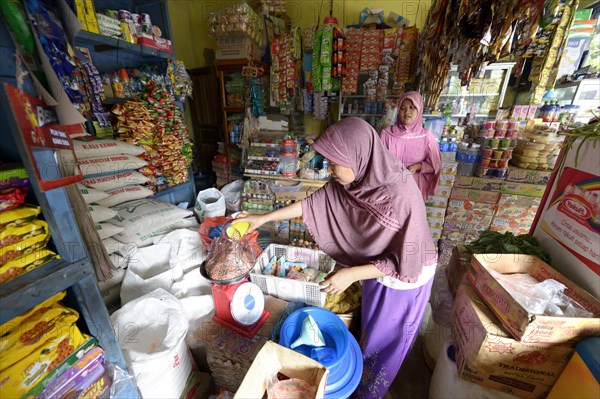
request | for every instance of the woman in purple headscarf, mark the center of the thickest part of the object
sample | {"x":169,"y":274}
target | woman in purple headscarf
{"x":371,"y":220}
{"x":415,"y":146}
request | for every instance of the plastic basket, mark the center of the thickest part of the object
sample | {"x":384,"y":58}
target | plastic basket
{"x":287,"y":289}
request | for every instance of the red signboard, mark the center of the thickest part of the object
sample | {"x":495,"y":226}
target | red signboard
{"x":39,"y":128}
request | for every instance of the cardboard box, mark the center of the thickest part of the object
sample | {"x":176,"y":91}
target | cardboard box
{"x":463,"y":237}
{"x":436,"y":223}
{"x":518,"y":321}
{"x":449,"y":168}
{"x":478,"y":183}
{"x":442,"y":191}
{"x":489,"y":356}
{"x":91,"y":22}
{"x":525,"y":189}
{"x":457,"y":266}
{"x":469,"y":206}
{"x":489,"y":197}
{"x":436,"y":234}
{"x":274,"y":358}
{"x":290,"y":195}
{"x":440,"y":202}
{"x":520,"y":175}
{"x":508,"y":202}
{"x":435,"y":212}
{"x":515,"y":225}
{"x":446,"y":180}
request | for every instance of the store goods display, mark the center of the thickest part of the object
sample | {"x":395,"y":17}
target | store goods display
{"x":487,"y":34}
{"x":239,"y":19}
{"x":22,"y":240}
{"x":537,"y":149}
{"x":546,"y":46}
{"x":155,"y":123}
{"x":38,"y":340}
{"x":515,"y":214}
{"x":285,"y":51}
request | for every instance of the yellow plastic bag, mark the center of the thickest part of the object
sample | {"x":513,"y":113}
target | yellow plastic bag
{"x":25,"y":263}
{"x":18,"y":241}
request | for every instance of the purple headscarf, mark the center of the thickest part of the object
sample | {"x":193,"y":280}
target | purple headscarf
{"x":379,"y":218}
{"x":414,"y":144}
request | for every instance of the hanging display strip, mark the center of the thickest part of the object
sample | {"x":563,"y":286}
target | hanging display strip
{"x":487,"y":33}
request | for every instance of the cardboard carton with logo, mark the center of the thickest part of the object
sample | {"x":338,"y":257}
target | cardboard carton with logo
{"x":478,"y":183}
{"x":489,"y":197}
{"x":523,"y":325}
{"x":489,"y":356}
{"x":526,"y":189}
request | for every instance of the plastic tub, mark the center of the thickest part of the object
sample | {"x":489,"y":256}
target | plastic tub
{"x":500,"y":133}
{"x":346,"y":366}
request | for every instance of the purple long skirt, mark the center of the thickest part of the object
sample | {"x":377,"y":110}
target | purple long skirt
{"x":390,"y":322}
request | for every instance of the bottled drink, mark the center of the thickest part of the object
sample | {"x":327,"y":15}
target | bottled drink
{"x":556,"y":111}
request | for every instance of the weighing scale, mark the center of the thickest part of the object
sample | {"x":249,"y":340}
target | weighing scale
{"x":239,"y":304}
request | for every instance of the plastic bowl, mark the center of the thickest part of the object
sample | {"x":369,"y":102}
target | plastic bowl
{"x":332,"y":327}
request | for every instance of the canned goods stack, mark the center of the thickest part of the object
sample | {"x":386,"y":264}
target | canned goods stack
{"x":497,"y":143}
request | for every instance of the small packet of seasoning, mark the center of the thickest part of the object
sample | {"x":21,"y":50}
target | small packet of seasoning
{"x":270,"y":266}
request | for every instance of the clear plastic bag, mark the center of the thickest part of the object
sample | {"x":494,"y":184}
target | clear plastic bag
{"x":541,"y":298}
{"x":228,"y":258}
{"x":119,"y":379}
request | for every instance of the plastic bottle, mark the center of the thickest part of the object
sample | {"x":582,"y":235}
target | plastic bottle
{"x":556,"y":111}
{"x":543,"y":111}
{"x":549,"y":114}
{"x":452,"y":149}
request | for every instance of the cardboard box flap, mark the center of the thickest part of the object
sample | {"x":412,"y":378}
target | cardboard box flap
{"x":518,"y":321}
{"x":293,"y":365}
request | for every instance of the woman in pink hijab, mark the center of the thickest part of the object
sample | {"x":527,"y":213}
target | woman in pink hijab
{"x":415,"y":146}
{"x":371,"y":220}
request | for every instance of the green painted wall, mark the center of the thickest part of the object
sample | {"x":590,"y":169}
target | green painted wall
{"x":190,"y":31}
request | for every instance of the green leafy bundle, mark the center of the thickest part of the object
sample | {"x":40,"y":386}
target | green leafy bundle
{"x":493,"y":242}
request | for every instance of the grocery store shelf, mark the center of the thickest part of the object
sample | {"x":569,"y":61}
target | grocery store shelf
{"x":106,"y":43}
{"x":471,"y":95}
{"x":255,"y":158}
{"x":307,"y":182}
{"x":24,"y":292}
{"x":454,"y":116}
{"x":364,"y":96}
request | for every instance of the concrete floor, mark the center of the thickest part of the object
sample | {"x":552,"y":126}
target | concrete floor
{"x":413,"y":378}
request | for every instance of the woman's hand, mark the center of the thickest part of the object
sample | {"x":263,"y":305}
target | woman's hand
{"x":255,"y":220}
{"x":414,"y":168}
{"x":337,"y":283}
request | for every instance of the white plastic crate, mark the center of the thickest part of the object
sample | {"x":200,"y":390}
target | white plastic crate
{"x":285,"y":288}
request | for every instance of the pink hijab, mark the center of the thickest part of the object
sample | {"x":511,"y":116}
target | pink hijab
{"x":380,"y":218}
{"x":414,"y":144}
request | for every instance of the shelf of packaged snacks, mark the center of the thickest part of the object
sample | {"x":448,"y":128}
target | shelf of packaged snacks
{"x":364,"y":96}
{"x":107,"y":43}
{"x":24,"y":292}
{"x":307,"y":182}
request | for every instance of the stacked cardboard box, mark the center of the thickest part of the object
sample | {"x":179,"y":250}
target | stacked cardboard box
{"x":437,"y":203}
{"x":500,"y":343}
{"x":470,"y":211}
{"x":520,"y":198}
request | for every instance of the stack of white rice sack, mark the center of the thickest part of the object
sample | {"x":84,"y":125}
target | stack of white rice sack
{"x":117,"y":201}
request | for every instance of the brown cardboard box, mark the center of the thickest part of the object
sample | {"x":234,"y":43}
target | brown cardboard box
{"x":478,"y":183}
{"x":273,"y":358}
{"x":489,"y":197}
{"x":518,"y":321}
{"x":526,"y":189}
{"x":528,"y":176}
{"x":489,"y":356}
{"x":457,"y":267}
